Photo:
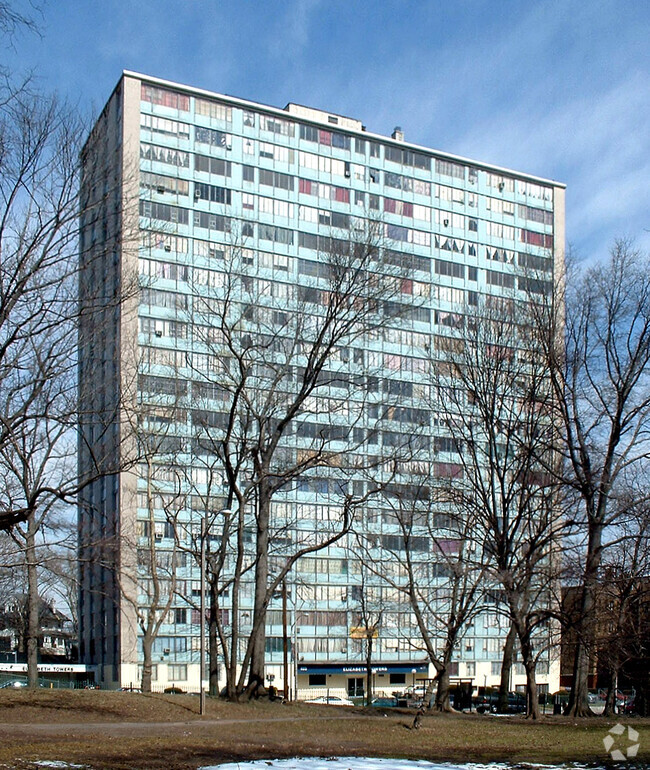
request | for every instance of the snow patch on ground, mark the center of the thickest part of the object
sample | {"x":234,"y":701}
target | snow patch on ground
{"x":370,"y":763}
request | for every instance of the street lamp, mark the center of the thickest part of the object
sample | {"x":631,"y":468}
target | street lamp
{"x":204,"y":534}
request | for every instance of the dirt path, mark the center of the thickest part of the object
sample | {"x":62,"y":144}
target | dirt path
{"x":70,"y":729}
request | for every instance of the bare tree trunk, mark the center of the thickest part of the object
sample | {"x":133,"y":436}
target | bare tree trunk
{"x":213,"y":652}
{"x":506,"y":668}
{"x":442,"y":693}
{"x":578,"y":705}
{"x":369,"y":646}
{"x":231,"y":674}
{"x":532,"y":697}
{"x":147,"y":661}
{"x":256,"y":677}
{"x":610,"y":701}
{"x":33,"y":624}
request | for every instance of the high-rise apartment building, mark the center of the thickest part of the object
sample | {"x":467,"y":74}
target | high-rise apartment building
{"x":193,"y":200}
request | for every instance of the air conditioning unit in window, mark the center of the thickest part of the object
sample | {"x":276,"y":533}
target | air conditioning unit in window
{"x":160,"y":189}
{"x":168,"y":247}
{"x":446,"y":223}
{"x":501,"y":186}
{"x":166,"y":651}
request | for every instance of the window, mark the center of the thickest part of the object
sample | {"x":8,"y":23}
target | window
{"x":497,"y":230}
{"x":452,"y":269}
{"x":506,"y":256}
{"x":213,"y":165}
{"x":212,"y":221}
{"x":398,"y":679}
{"x":495,"y":278}
{"x":165,"y":155}
{"x":276,"y":207}
{"x":166,"y":645}
{"x":406,"y":183}
{"x":450,"y":219}
{"x":165,"y":126}
{"x":163,"y":184}
{"x":248,"y":173}
{"x":276,"y":234}
{"x":501,"y":183}
{"x":447,"y":168}
{"x":211,"y":193}
{"x":275,"y":179}
{"x":536,"y":239}
{"x":276,"y":644}
{"x":213,"y":110}
{"x":500,"y":206}
{"x":309,"y":133}
{"x":163,"y":212}
{"x":407,"y":157}
{"x":211,"y":137}
{"x":275,"y":152}
{"x":535,"y":285}
{"x":276,"y":125}
{"x":450,"y":194}
{"x":532,"y":262}
{"x":532,"y":190}
{"x":341,"y":141}
{"x":165,"y":98}
{"x":180,"y":616}
{"x":177,"y":672}
{"x":317,"y":680}
{"x":535,"y":215}
{"x":402,"y":208}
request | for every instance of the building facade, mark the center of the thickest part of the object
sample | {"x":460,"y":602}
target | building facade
{"x":191,"y":197}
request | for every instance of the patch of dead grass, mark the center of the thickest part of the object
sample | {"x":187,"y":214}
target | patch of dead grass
{"x":130,"y":730}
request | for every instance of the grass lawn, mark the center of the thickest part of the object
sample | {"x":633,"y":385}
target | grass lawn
{"x":141,"y":732}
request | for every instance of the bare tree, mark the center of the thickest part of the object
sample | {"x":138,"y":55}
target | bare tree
{"x":599,"y":356}
{"x":439,"y":572}
{"x":149,"y":584}
{"x":38,"y":226}
{"x":368,"y":619}
{"x":279,"y":360}
{"x":497,"y":404}
{"x":626,"y":570}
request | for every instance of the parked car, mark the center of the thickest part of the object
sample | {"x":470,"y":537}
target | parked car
{"x":17,"y":684}
{"x":386,"y":702}
{"x":489,"y":703}
{"x":415,"y":691}
{"x":331,"y":700}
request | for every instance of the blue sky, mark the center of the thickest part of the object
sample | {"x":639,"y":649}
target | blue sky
{"x":558,"y":88}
